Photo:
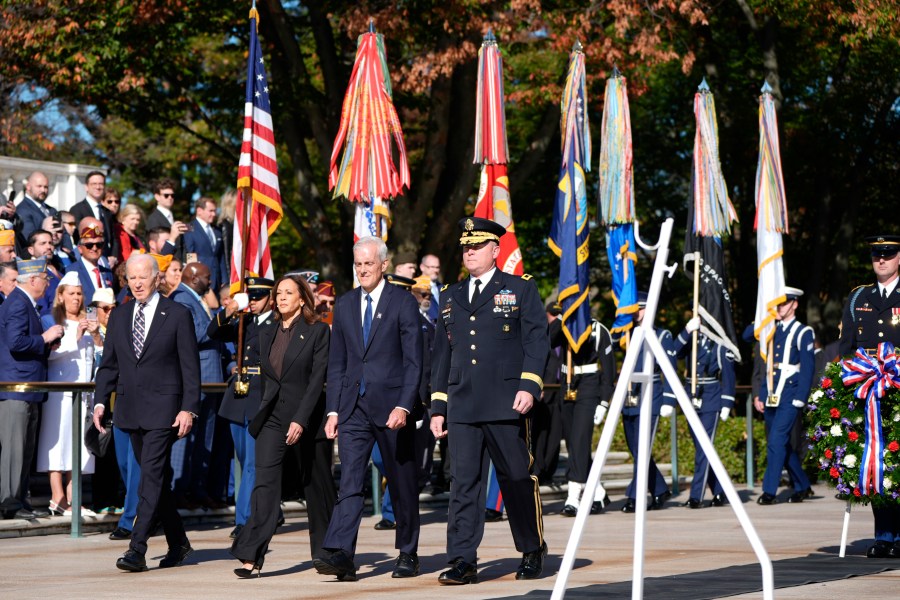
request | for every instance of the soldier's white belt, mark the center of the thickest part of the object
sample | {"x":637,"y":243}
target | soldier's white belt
{"x":707,"y":380}
{"x":583,"y":370}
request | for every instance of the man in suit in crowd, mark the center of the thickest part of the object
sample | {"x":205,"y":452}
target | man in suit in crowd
{"x":8,"y":277}
{"x":92,"y":272}
{"x":374,"y":370}
{"x":162,"y":216}
{"x":66,"y":245}
{"x":431,"y":268}
{"x":490,"y":350}
{"x":92,"y":206}
{"x":158,"y":242}
{"x":33,"y":208}
{"x":40,"y":245}
{"x":192,"y":456}
{"x":205,"y":240}
{"x":24,"y":348}
{"x":151,"y":361}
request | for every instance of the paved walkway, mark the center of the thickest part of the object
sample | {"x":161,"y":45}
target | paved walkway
{"x":681,"y":543}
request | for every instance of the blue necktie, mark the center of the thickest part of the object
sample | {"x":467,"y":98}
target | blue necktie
{"x":367,"y":327}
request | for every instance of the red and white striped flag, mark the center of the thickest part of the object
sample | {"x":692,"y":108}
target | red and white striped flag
{"x":257,"y":174}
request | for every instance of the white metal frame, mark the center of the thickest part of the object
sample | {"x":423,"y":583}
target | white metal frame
{"x":644,"y":335}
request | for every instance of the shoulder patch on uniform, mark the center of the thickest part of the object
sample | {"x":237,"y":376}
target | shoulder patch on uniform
{"x":527,"y":277}
{"x":445,"y":286}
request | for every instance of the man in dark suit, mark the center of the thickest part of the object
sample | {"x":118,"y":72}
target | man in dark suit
{"x":164,"y":194}
{"x":8,"y":277}
{"x":205,"y":240}
{"x":92,"y":272}
{"x":151,"y":361}
{"x":490,"y":350}
{"x":24,"y":348}
{"x":374,"y":370}
{"x":32,"y":210}
{"x":192,"y":456}
{"x":91,"y":206}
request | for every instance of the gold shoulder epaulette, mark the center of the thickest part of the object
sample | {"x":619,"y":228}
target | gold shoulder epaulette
{"x":445,"y":286}
{"x":861,"y":286}
{"x":527,"y":277}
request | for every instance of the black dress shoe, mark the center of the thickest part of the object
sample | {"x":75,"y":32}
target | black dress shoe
{"x":894,"y":552}
{"x":40,"y":513}
{"x":693,"y":503}
{"x":235,"y":532}
{"x":718,"y":500}
{"x":460,"y":574}
{"x":659,"y":501}
{"x":23,"y":513}
{"x":384,"y":525}
{"x":569,"y":511}
{"x":880,"y":550}
{"x":629,"y":505}
{"x":766,"y":499}
{"x":132,"y":561}
{"x":532,"y":563}
{"x":492,"y":516}
{"x":337,"y":563}
{"x":120,"y":533}
{"x":808,"y":493}
{"x":175,"y":556}
{"x":796,"y":497}
{"x":407,"y":566}
{"x":598,"y":505}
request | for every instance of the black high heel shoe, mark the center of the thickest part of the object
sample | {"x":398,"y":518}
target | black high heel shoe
{"x":245,"y":573}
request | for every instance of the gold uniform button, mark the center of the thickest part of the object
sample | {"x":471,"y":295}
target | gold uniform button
{"x":472,"y":332}
{"x":474,"y":362}
{"x":473,"y":346}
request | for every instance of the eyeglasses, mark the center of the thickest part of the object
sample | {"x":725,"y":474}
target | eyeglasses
{"x":111,"y":201}
{"x":92,"y":245}
{"x":105,"y":308}
{"x":167,"y":195}
{"x":422,"y":294}
{"x":69,"y":223}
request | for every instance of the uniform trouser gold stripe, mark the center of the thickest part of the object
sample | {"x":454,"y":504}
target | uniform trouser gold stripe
{"x":538,"y":507}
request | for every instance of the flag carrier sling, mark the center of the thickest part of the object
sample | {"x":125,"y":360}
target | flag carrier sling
{"x":656,"y":354}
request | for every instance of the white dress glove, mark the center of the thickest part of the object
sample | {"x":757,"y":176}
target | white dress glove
{"x":724,"y":414}
{"x":798,"y":403}
{"x":665,"y":411}
{"x":599,"y":414}
{"x":693,"y":325}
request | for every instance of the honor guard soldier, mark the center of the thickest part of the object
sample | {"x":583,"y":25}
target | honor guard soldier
{"x":591,"y":387}
{"x":244,"y":394}
{"x":662,"y":406}
{"x":713,"y":400}
{"x":872,"y":316}
{"x":490,"y":349}
{"x":794,"y":363}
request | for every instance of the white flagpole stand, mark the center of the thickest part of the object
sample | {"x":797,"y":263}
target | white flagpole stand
{"x":845,"y":529}
{"x":645,"y":335}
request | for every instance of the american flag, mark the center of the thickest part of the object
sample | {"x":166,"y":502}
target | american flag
{"x":257,"y":173}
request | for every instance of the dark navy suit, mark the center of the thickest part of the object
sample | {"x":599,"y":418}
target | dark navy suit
{"x":31,"y":216}
{"x":391,"y":367}
{"x":213,"y":256}
{"x":89,"y":280}
{"x":715,"y":390}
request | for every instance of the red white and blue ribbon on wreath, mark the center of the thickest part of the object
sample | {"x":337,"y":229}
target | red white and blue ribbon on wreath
{"x":873,"y":376}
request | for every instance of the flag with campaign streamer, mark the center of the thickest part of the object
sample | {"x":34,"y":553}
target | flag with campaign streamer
{"x":569,"y":231}
{"x":258,"y":209}
{"x":492,"y":153}
{"x":710,"y":215}
{"x":616,"y":200}
{"x":770,"y":223}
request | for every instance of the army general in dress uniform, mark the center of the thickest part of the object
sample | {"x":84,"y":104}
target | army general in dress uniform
{"x":490,"y":349}
{"x":872,"y":316}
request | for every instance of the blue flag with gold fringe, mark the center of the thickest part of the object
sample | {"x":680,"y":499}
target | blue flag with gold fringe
{"x":620,"y":250}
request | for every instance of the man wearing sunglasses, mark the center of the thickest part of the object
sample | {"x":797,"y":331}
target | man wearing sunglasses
{"x":162,"y":216}
{"x":92,"y":270}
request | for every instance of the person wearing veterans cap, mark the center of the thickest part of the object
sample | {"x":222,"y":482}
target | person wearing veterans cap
{"x":24,"y":348}
{"x":325,"y":297}
{"x":239,"y":406}
{"x":591,"y":388}
{"x":491,"y":348}
{"x":783,"y":400}
{"x":7,"y":245}
{"x":713,"y":401}
{"x":871,"y":317}
{"x":663,"y":406}
{"x":92,"y":271}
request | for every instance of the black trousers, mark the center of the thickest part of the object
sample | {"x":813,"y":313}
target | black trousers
{"x":504,"y":443}
{"x":578,"y":426}
{"x":546,"y":433}
{"x":156,"y":502}
{"x":314,"y":457}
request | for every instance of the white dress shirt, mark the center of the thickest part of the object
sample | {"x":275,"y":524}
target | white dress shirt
{"x":149,"y":310}
{"x":484,"y":279}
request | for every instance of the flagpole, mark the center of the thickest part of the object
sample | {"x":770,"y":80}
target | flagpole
{"x":570,"y":394}
{"x":694,"y":335}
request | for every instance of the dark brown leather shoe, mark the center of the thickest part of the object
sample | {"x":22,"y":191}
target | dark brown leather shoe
{"x":532,"y":563}
{"x":460,"y":574}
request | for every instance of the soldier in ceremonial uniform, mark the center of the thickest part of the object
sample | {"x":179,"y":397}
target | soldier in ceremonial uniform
{"x":662,"y":406}
{"x":593,"y":371}
{"x":490,"y":350}
{"x":872,"y":316}
{"x":794,"y":368}
{"x":240,"y":408}
{"x":714,"y":400}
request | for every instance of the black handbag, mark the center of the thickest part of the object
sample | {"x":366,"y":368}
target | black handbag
{"x":98,"y":443}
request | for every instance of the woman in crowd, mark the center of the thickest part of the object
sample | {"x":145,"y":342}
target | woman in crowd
{"x":294,"y":357}
{"x":130,"y":219}
{"x":112,"y":200}
{"x":71,"y":360}
{"x":171,"y":277}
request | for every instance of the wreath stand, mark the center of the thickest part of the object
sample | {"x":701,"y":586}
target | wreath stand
{"x":845,"y":529}
{"x":644,"y":335}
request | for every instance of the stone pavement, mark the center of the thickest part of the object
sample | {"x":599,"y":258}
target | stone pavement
{"x":679,"y":541}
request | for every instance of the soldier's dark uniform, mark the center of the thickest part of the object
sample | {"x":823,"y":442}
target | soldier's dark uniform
{"x":872,"y":316}
{"x":715,"y":391}
{"x":239,"y":410}
{"x":484,"y":354}
{"x":593,"y":372}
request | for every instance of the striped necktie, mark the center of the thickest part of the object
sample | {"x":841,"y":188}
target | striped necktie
{"x":137,"y":338}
